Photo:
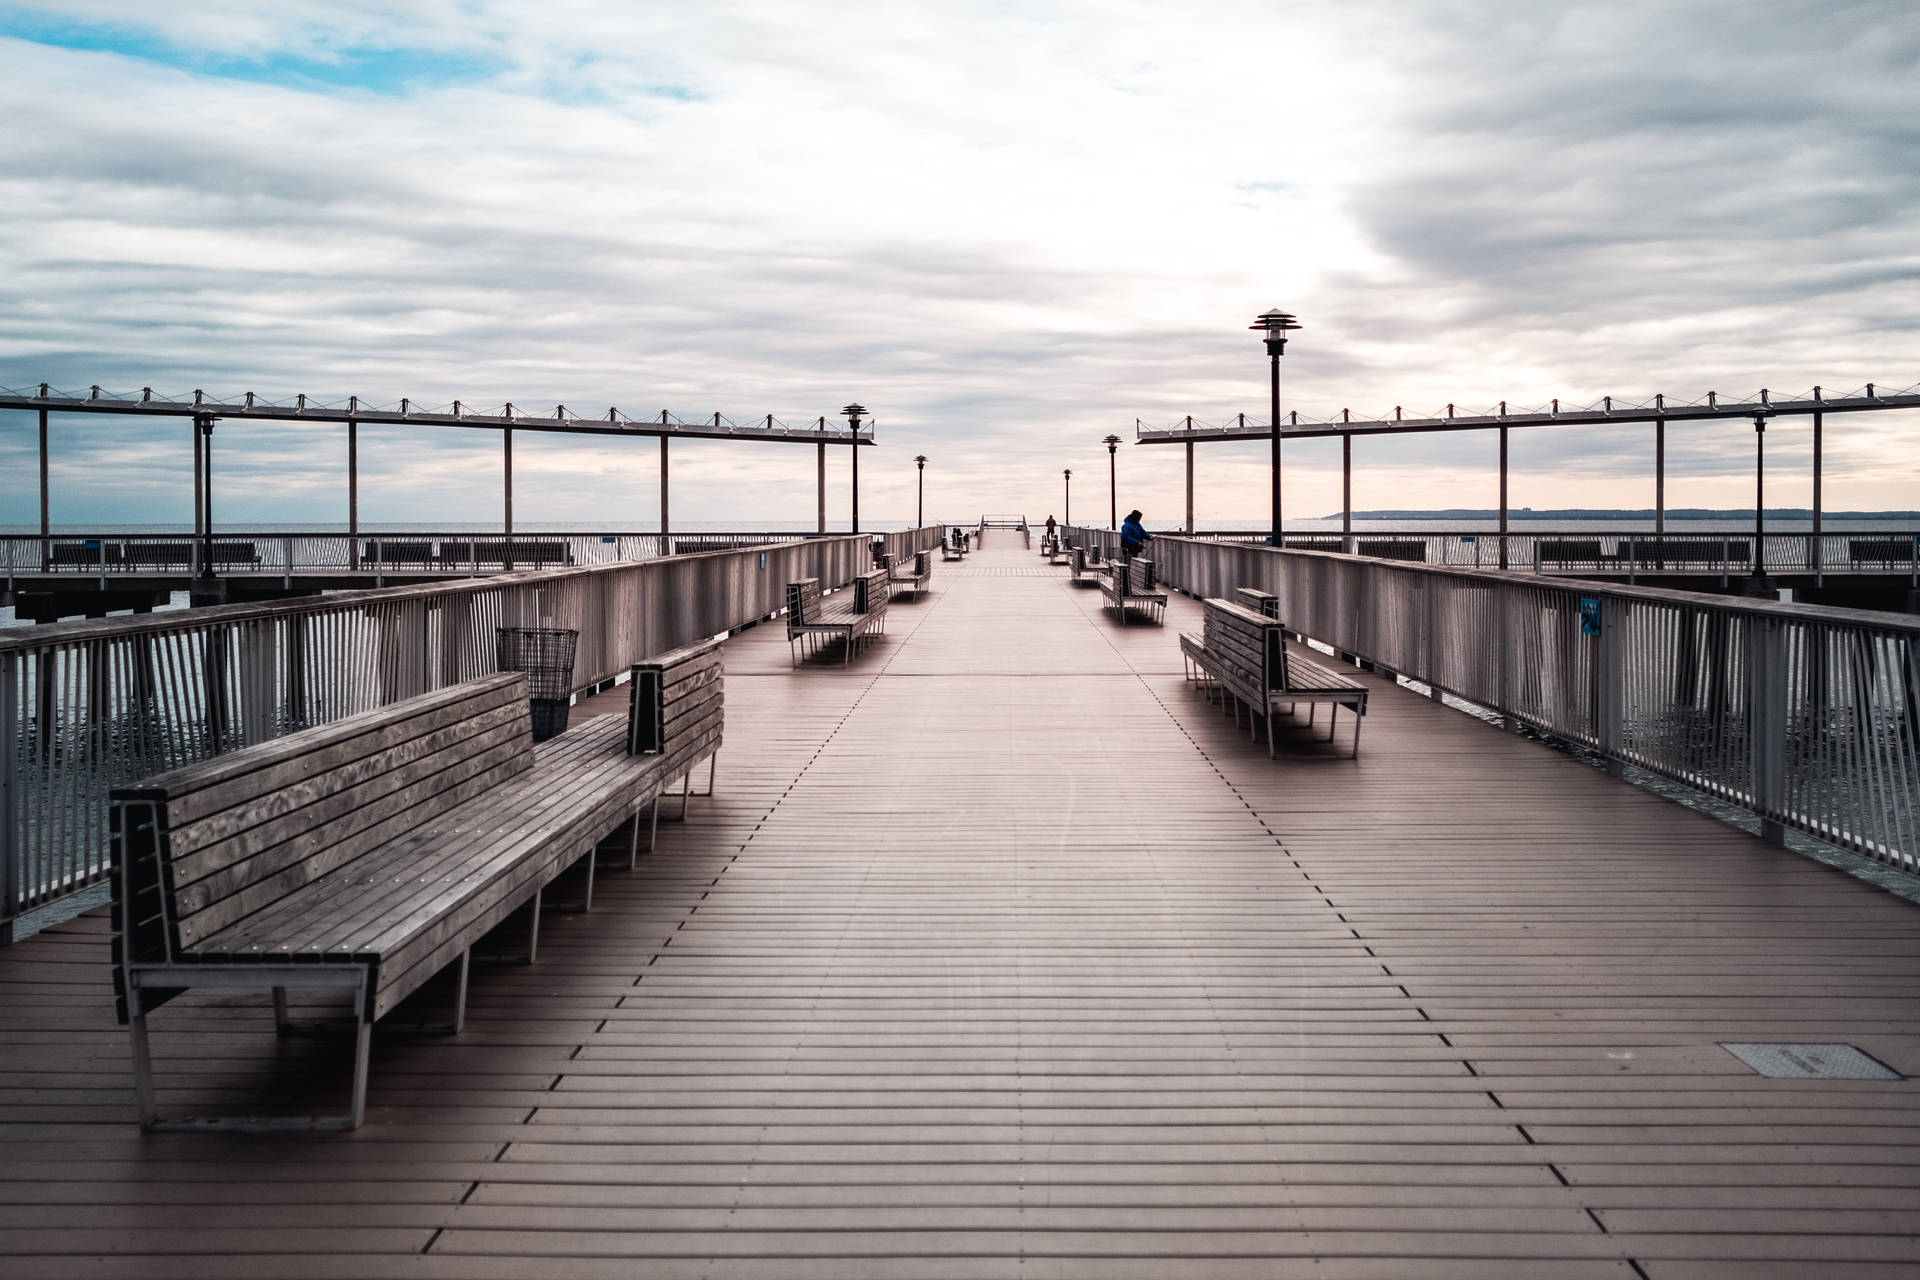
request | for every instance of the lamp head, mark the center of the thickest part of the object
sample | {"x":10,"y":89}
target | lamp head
{"x":1274,"y":326}
{"x":1112,"y":443}
{"x":853,"y":413}
{"x":921,"y":458}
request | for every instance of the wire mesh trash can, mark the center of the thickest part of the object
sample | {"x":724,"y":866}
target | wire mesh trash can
{"x":546,"y":655}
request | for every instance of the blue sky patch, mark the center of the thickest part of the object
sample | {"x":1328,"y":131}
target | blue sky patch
{"x":364,"y":69}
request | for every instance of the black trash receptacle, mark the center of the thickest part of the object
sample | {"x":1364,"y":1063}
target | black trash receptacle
{"x":546,"y":655}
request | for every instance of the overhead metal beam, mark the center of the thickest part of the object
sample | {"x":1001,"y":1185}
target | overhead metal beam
{"x":252,"y":411}
{"x":1656,"y":412}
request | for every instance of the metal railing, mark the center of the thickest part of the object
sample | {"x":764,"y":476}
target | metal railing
{"x":110,"y":556}
{"x":1879,"y":553}
{"x":88,"y":706}
{"x":1808,"y":717}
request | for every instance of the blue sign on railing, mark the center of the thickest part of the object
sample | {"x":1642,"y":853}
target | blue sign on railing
{"x":1589,"y":615}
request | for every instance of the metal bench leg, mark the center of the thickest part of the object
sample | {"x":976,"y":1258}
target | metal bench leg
{"x":1333,"y":715}
{"x":1269,"y":731}
{"x":1359,"y":717}
{"x":460,"y":992}
{"x":362,"y":1055}
{"x":686,"y":789}
{"x":533,"y":928}
{"x":633,"y":841}
{"x":142,"y":1062}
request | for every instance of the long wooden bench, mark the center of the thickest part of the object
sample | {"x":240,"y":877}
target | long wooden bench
{"x":1264,"y":603}
{"x":1244,"y":655}
{"x":1882,"y":550}
{"x":1128,"y":585}
{"x":1084,"y":567}
{"x":1670,"y":553}
{"x":910,"y":575}
{"x":1414,"y":549}
{"x":851,"y":616}
{"x":371,"y":853}
{"x":525,"y":555}
{"x":116,"y":554}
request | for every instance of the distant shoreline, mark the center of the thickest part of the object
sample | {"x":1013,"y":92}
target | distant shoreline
{"x":1614,"y":513}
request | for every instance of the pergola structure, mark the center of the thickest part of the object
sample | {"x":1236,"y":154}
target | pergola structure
{"x":1659,"y":411}
{"x":204,"y":411}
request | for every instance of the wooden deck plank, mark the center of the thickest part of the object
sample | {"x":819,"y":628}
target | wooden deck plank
{"x":1000,"y":952}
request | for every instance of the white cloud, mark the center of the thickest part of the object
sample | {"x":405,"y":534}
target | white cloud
{"x":1008,"y":229}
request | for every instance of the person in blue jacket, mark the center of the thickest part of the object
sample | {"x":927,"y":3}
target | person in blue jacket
{"x":1132,"y":535}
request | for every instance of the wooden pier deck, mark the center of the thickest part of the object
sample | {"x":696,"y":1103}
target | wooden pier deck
{"x":999,"y":953}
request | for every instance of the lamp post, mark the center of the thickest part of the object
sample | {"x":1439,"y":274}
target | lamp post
{"x":1275,"y":325}
{"x":1067,"y":517}
{"x":1760,"y":495}
{"x":853,"y":412}
{"x":920,"y":497}
{"x":1113,"y":486}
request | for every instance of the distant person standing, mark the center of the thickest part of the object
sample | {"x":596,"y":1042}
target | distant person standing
{"x":1132,"y":535}
{"x":1050,"y":526}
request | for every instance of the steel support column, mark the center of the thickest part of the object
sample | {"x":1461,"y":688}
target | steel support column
{"x":1346,"y":488}
{"x":46,"y":499}
{"x":1189,"y":486}
{"x":823,"y":486}
{"x":1503,"y":497}
{"x":1815,"y":551}
{"x":353,"y":494}
{"x":665,"y":523}
{"x":1659,"y":475}
{"x":203,"y":428}
{"x":1759,"y":495}
{"x":506,"y":445}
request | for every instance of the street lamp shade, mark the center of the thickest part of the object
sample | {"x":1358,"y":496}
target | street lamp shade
{"x":921,"y":458}
{"x":1112,"y":443}
{"x":1275,"y":323}
{"x":1274,"y":326}
{"x":853,"y":413}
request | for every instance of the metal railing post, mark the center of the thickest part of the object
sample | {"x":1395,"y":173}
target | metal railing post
{"x":1767,"y":722}
{"x":1609,"y":669}
{"x":10,"y":877}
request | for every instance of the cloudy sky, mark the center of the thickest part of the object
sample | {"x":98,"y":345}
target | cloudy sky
{"x":1009,"y":229}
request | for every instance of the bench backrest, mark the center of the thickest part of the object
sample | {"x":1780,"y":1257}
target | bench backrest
{"x":803,"y":601}
{"x":1264,"y":603}
{"x":923,"y":564}
{"x":871,"y":591}
{"x":1250,"y":648}
{"x":673,"y":695}
{"x":1394,"y":548}
{"x":411,"y":552}
{"x":1694,"y":550}
{"x":201,"y":847}
{"x":1562,"y":549}
{"x":1879,"y":549}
